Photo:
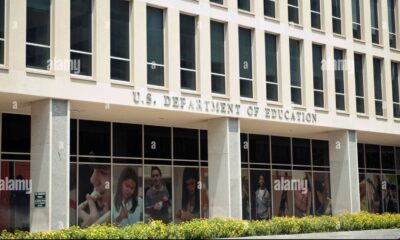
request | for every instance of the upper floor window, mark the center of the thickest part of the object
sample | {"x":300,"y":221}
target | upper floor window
{"x":269,"y":8}
{"x":395,"y":68}
{"x":315,"y":13}
{"x":359,"y":78}
{"x":375,"y":21}
{"x":155,"y":46}
{"x":188,"y":51}
{"x":336,"y":16}
{"x":120,"y":31}
{"x":317,"y":51}
{"x":340,"y":95}
{"x":217,"y":57}
{"x":378,"y":86}
{"x":293,"y":11}
{"x":2,"y":30}
{"x":38,"y":38}
{"x":81,"y":36}
{"x":244,"y":5}
{"x":246,"y":62}
{"x":218,"y":1}
{"x":271,"y":67}
{"x":356,"y":16}
{"x":393,"y":18}
{"x":295,"y":71}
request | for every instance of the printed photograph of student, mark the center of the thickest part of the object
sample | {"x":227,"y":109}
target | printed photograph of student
{"x":322,"y":194}
{"x":261,"y":194}
{"x":390,"y":199}
{"x":187,"y":197}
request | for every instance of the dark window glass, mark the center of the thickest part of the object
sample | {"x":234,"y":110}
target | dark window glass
{"x":392,"y":23}
{"x":244,"y":5}
{"x":186,"y":144}
{"x":360,"y":150}
{"x":16,"y":133}
{"x":293,"y":11}
{"x":336,"y":17}
{"x":120,"y":39}
{"x":204,"y":144}
{"x":155,"y":46}
{"x":280,"y":147}
{"x":378,"y":87}
{"x":245,"y":63}
{"x":217,"y":57}
{"x":73,"y":136}
{"x":295,"y":71}
{"x":269,"y":8}
{"x":398,"y":158}
{"x":157,"y":142}
{"x":217,"y":1}
{"x":372,"y":159}
{"x":301,"y":151}
{"x":315,"y":13}
{"x":188,"y":51}
{"x":359,"y":77}
{"x":387,"y":157}
{"x":259,"y":148}
{"x":271,"y":62}
{"x":81,"y":36}
{"x":395,"y":89}
{"x":94,"y":138}
{"x":2,"y":18}
{"x":374,"y":21}
{"x":320,"y":153}
{"x":318,"y":76}
{"x":127,"y":140}
{"x":38,"y":34}
{"x":339,"y":80}
{"x":355,"y":7}
{"x":244,"y":147}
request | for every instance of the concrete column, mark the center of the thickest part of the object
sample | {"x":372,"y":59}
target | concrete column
{"x":344,"y":172}
{"x":224,"y":169}
{"x":50,"y":164}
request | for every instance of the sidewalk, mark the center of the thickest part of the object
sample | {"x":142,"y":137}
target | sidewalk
{"x":367,"y":234}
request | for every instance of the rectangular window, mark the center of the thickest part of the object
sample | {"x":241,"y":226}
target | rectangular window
{"x":378,"y":87}
{"x":339,"y":80}
{"x":271,"y":66}
{"x":356,"y":16}
{"x":269,"y":8}
{"x":293,"y":11}
{"x":218,"y":1}
{"x":295,"y":72}
{"x":188,"y":51}
{"x":318,"y":76}
{"x":81,"y":36}
{"x":244,"y":5}
{"x":359,"y":77}
{"x":315,"y":14}
{"x":2,"y":30}
{"x":374,"y":21}
{"x":38,"y":34}
{"x":336,"y":17}
{"x":217,"y":57}
{"x":395,"y":68}
{"x":155,"y":46}
{"x":120,"y":57}
{"x":246,"y":63}
{"x":392,"y":8}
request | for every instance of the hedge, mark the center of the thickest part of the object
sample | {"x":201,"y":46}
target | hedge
{"x":220,"y":228}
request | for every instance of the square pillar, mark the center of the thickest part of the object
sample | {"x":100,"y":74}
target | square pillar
{"x":344,"y":172}
{"x":224,"y":168}
{"x":50,"y":123}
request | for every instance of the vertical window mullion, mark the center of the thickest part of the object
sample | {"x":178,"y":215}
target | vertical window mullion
{"x":155,"y":46}
{"x":217,"y":57}
{"x":188,"y":51}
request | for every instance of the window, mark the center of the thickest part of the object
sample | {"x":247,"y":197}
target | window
{"x":218,"y":57}
{"x":339,"y":80}
{"x":374,"y":21}
{"x":293,"y":11}
{"x":94,"y":138}
{"x":127,"y":140}
{"x":38,"y":34}
{"x":315,"y":13}
{"x":318,"y":76}
{"x":271,"y":62}
{"x":301,"y":151}
{"x":269,"y":8}
{"x":356,"y":12}
{"x":217,"y":1}
{"x":295,"y":72}
{"x":157,"y":142}
{"x":81,"y":36}
{"x":155,"y":46}
{"x":336,"y":17}
{"x":2,"y":30}
{"x":281,"y":152}
{"x":359,"y":77}
{"x":120,"y":59}
{"x":395,"y":67}
{"x":16,"y":133}
{"x":259,"y":149}
{"x":392,"y":22}
{"x":188,"y":51}
{"x":378,"y":87}
{"x":244,"y":5}
{"x":245,"y":63}
{"x":186,"y":144}
{"x":320,"y":153}
{"x":372,"y":158}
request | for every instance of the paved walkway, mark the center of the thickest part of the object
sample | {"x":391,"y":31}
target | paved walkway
{"x":367,"y":234}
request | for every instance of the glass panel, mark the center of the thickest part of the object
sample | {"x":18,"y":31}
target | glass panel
{"x":127,"y":140}
{"x":218,"y":84}
{"x":337,"y":26}
{"x":246,"y":88}
{"x":188,"y":80}
{"x":360,"y":105}
{"x":245,"y":53}
{"x":392,"y":16}
{"x":1,"y":52}
{"x":37,"y":57}
{"x":339,"y":75}
{"x":318,"y":99}
{"x":280,"y":147}
{"x":392,"y":40}
{"x":186,"y":144}
{"x":359,"y":68}
{"x":81,"y":64}
{"x":377,"y":78}
{"x":317,"y":67}
{"x":2,"y":14}
{"x":157,"y":142}
{"x":94,"y":138}
{"x":315,"y":20}
{"x":356,"y":31}
{"x":188,"y":41}
{"x":155,"y":75}
{"x":38,"y":22}
{"x":244,"y":148}
{"x":245,"y":194}
{"x":272,"y":92}
{"x":296,"y":95}
{"x":293,"y":14}
{"x":73,"y":136}
{"x":244,"y":5}
{"x":81,"y":25}
{"x":269,"y":8}
{"x":395,"y":82}
{"x":374,"y":14}
{"x":372,"y":156}
{"x":16,"y":133}
{"x":355,"y":4}
{"x":155,"y":46}
{"x":315,"y":5}
{"x":217,"y":1}
{"x":282,"y":199}
{"x":260,"y":188}
{"x":120,"y":29}
{"x":271,"y":58}
{"x":203,"y":145}
{"x":387,"y":156}
{"x":375,"y":36}
{"x":336,"y":8}
{"x":295,"y":72}
{"x":303,"y":199}
{"x":320,"y":153}
{"x":374,"y":193}
{"x":360,"y":155}
{"x":120,"y":70}
{"x":363,"y":193}
{"x":322,"y":194}
{"x":301,"y":151}
{"x":217,"y":48}
{"x":379,"y":108}
{"x":340,"y":102}
{"x":390,"y":199}
{"x":259,"y":148}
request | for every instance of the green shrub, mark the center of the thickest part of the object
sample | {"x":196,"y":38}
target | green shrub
{"x":220,"y":228}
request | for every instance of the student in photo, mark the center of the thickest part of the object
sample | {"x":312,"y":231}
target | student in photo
{"x":263,"y":200}
{"x":127,"y":207}
{"x":157,"y":201}
{"x":303,"y":197}
{"x":190,"y":196}
{"x":322,"y":198}
{"x":96,"y":208}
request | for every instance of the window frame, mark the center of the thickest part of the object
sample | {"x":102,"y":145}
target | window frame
{"x":298,"y":12}
{"x":319,"y":15}
{"x":4,"y":40}
{"x":395,"y":103}
{"x":226,"y":83}
{"x":382,"y":85}
{"x":364,"y":86}
{"x":359,"y":24}
{"x":275,"y":9}
{"x":396,"y":23}
{"x":252,"y":63}
{"x":301,"y":73}
{"x":278,"y":86}
{"x":251,"y":5}
{"x":340,"y":19}
{"x":344,"y":94}
{"x":323,"y":82}
{"x":378,"y":17}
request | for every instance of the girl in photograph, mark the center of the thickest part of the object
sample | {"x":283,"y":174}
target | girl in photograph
{"x":190,"y":196}
{"x":127,"y":207}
